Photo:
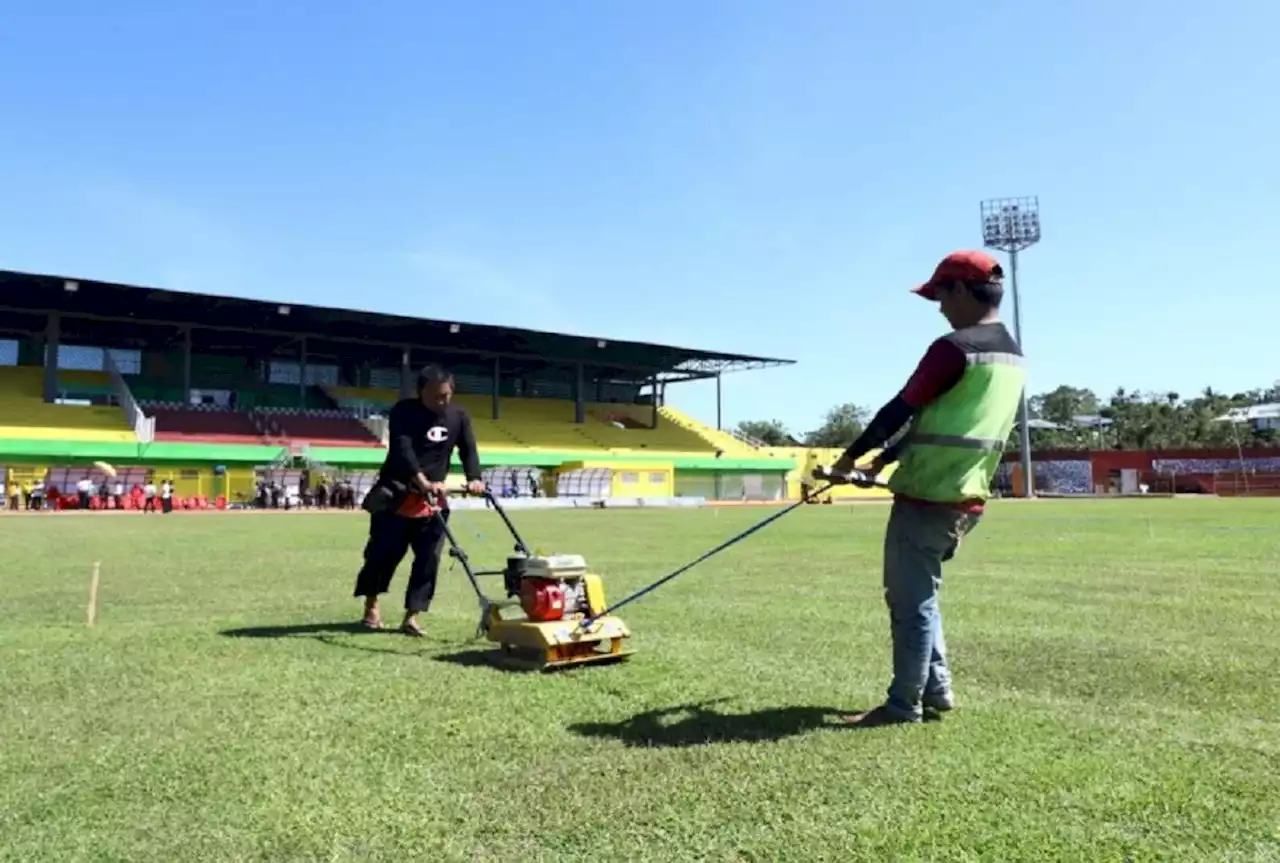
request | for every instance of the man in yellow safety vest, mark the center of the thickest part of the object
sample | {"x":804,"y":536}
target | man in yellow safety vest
{"x":947,"y":430}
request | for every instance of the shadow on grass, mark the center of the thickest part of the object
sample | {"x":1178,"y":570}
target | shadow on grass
{"x":474,"y":659}
{"x":493,"y":658}
{"x":698,"y":725}
{"x":303,"y":629}
{"x":335,"y":635}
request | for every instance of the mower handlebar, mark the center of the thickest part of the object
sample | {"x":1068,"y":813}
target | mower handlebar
{"x":459,"y":491}
{"x":463,"y":491}
{"x":853,"y":477}
{"x":493,"y":500}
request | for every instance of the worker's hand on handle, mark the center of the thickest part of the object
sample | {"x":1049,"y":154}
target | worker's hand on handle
{"x":869,"y":472}
{"x":850,"y":476}
{"x":845,"y":465}
{"x":427,"y":487}
{"x":474,"y":487}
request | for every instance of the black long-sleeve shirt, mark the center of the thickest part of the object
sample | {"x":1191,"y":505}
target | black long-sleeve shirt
{"x":421,"y":440}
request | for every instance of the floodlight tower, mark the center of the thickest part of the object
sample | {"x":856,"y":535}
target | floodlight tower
{"x":1012,"y":225}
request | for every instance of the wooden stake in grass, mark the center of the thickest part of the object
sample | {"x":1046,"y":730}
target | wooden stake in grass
{"x":93,"y":592}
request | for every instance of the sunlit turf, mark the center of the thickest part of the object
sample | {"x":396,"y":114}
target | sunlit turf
{"x":1115,"y":664}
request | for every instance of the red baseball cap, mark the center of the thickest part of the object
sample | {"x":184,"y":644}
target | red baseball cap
{"x":962,"y":266}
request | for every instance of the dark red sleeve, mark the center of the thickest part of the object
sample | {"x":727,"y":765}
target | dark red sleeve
{"x":939,"y":370}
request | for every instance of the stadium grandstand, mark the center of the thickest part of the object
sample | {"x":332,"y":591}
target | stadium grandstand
{"x":223,"y":397}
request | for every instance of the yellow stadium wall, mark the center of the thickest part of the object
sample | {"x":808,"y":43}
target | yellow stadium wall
{"x":241,"y":480}
{"x":187,"y":479}
{"x":199,"y":479}
{"x":808,"y":458}
{"x":633,"y":479}
{"x":650,"y":480}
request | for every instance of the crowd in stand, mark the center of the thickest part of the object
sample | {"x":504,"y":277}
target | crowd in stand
{"x":1075,"y":476}
{"x":1057,"y":477}
{"x":141,"y":492}
{"x":270,"y":493}
{"x":106,"y":494}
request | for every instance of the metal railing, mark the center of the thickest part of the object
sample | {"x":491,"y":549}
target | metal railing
{"x":378,"y":427}
{"x":747,"y":439}
{"x":144,"y":427}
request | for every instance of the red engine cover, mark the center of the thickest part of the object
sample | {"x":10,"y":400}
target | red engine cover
{"x":542,"y":599}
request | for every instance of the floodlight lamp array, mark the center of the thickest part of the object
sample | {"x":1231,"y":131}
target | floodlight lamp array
{"x":1011,"y":224}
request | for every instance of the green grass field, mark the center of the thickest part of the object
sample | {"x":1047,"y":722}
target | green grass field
{"x":1115,"y":664}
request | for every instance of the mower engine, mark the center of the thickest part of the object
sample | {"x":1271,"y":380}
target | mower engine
{"x":554,"y":587}
{"x":564,"y":622}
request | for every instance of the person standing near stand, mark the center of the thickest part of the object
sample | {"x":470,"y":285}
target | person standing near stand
{"x":407,"y":506}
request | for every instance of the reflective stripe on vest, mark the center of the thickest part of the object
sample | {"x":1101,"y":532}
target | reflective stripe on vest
{"x":981,"y":358}
{"x":954,"y":445}
{"x":985,"y":443}
{"x":993,"y":358}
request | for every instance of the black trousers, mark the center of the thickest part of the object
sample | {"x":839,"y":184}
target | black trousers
{"x":390,"y":539}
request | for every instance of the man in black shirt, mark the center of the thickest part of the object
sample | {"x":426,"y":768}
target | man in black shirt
{"x":423,"y":433}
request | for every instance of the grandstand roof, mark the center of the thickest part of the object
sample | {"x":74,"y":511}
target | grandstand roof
{"x":1253,"y":412}
{"x":112,"y":315}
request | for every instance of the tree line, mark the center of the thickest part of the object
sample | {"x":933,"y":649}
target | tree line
{"x":1076,"y":418}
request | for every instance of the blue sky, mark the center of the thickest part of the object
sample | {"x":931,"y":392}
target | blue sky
{"x":763,"y":177}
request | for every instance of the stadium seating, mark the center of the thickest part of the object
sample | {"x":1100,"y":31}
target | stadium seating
{"x":286,"y":396}
{"x":76,"y":383}
{"x":247,"y":395}
{"x":362,"y":399}
{"x":671,"y":435}
{"x":25,"y":414}
{"x":536,"y":424}
{"x":539,"y":424}
{"x":207,"y":424}
{"x":322,"y":428}
{"x":556,"y":434}
{"x":731,"y":446}
{"x":196,"y":424}
{"x":547,"y":424}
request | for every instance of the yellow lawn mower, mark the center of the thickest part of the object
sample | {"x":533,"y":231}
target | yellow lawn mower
{"x":554,"y":594}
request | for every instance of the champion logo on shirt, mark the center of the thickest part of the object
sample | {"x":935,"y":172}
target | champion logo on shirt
{"x":436,"y":434}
